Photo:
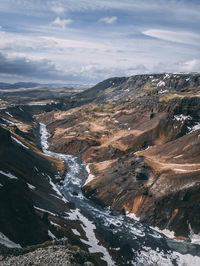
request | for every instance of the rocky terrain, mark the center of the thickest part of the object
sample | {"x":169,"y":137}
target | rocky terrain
{"x":138,"y":139}
{"x":56,"y":252}
{"x":141,"y":136}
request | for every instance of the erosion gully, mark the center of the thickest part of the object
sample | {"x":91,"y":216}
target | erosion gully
{"x":132,"y":241}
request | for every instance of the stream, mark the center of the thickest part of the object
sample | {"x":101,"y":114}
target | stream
{"x":134,"y":242}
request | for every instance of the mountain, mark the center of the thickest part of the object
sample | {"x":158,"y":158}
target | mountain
{"x":141,"y":135}
{"x":125,"y":150}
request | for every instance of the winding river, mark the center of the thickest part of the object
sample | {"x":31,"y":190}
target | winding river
{"x":136,"y":243}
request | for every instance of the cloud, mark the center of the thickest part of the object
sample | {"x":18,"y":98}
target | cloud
{"x":58,"y":9}
{"x":26,"y":68}
{"x":109,"y":20}
{"x":179,"y":66}
{"x":62,"y":22}
{"x":178,"y":37}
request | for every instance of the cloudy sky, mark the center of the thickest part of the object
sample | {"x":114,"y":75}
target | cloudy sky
{"x":86,"y":41}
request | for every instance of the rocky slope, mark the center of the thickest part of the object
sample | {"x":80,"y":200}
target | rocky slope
{"x":141,"y":135}
{"x":56,"y":252}
{"x":32,"y":209}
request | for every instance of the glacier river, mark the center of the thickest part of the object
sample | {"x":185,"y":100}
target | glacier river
{"x":136,"y":243}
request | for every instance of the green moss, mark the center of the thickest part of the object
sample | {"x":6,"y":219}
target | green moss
{"x":42,"y":245}
{"x":169,"y":96}
{"x":75,"y":248}
{"x":150,"y":88}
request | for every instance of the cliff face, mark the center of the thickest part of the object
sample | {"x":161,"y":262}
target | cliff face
{"x":24,"y":180}
{"x":141,"y":135}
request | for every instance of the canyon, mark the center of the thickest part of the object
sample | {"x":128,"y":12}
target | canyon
{"x":134,"y":143}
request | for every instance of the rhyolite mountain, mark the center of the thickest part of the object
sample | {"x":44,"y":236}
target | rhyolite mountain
{"x":140,"y":136}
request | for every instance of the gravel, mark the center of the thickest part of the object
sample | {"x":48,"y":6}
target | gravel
{"x":57,"y":253}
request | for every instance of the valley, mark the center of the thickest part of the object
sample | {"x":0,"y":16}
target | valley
{"x":104,"y":165}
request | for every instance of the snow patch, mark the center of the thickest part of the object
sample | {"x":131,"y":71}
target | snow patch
{"x":143,"y":150}
{"x":57,"y":190}
{"x":9,"y":114}
{"x":8,"y":175}
{"x":31,"y":186}
{"x":162,"y":91}
{"x":93,"y":242}
{"x":75,"y":232}
{"x":7,"y":242}
{"x":51,"y":235}
{"x":181,"y":170}
{"x":161,"y":83}
{"x":54,"y":224}
{"x":166,"y":76}
{"x":37,"y":104}
{"x":43,"y":210}
{"x":182,"y":117}
{"x":90,"y":176}
{"x":132,"y":216}
{"x":19,"y":142}
{"x":8,"y":121}
{"x":178,"y":156}
{"x":194,"y":128}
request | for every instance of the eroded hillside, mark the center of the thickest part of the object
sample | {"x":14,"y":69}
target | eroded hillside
{"x":141,"y":136}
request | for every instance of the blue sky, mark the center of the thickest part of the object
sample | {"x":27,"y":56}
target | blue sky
{"x":84,"y":41}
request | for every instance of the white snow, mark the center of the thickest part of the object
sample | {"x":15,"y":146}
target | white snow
{"x":19,"y":142}
{"x":8,"y":121}
{"x":7,"y":242}
{"x":143,"y":150}
{"x":132,"y":216}
{"x":8,"y":175}
{"x":9,"y":114}
{"x":55,"y":224}
{"x":57,"y":190}
{"x":182,"y":117}
{"x":93,"y":242}
{"x":43,"y":210}
{"x":31,"y":186}
{"x":161,"y":83}
{"x":51,"y":235}
{"x":75,"y":232}
{"x":180,"y":170}
{"x":36,"y":168}
{"x":162,"y":91}
{"x":166,"y":76}
{"x":178,"y":156}
{"x":37,"y":104}
{"x":165,"y":232}
{"x":194,"y":128}
{"x":90,"y":176}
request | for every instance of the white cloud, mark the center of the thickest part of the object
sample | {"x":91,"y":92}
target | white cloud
{"x":109,"y":20}
{"x":62,"y":22}
{"x":178,"y":66}
{"x":191,"y":65}
{"x":58,"y":9}
{"x":173,"y":36}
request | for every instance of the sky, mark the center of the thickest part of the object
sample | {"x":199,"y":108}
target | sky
{"x":87,"y":41}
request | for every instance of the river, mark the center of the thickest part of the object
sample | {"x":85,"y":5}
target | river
{"x":134,"y":242}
